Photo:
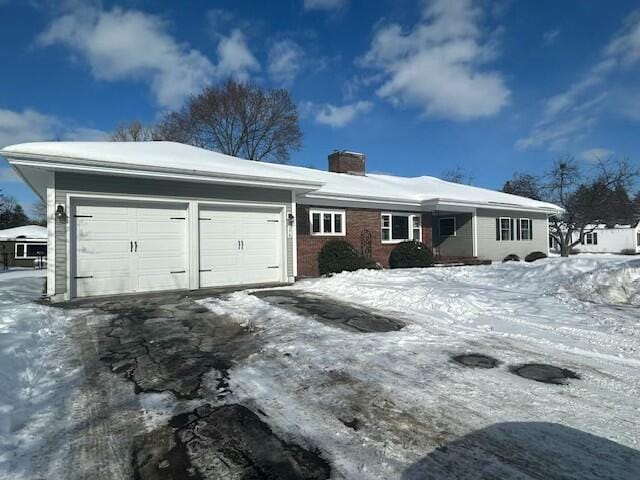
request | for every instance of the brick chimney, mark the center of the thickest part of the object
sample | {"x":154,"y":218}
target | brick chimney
{"x":347,"y":162}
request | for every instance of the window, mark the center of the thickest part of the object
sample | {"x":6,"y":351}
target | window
{"x":327,"y":222}
{"x":525,"y":229}
{"x":398,"y":227}
{"x":505,"y":229}
{"x":638,"y":239}
{"x":30,"y":250}
{"x":447,"y":227}
{"x":591,"y":238}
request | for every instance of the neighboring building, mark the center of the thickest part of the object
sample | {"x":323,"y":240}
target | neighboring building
{"x":603,"y":239}
{"x":144,"y":216}
{"x":23,"y":246}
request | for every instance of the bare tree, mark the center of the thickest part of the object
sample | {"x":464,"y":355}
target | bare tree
{"x":239,"y":119}
{"x":524,"y":185}
{"x":589,"y":203}
{"x":457,"y":175}
{"x":132,"y":132}
{"x":39,"y":213}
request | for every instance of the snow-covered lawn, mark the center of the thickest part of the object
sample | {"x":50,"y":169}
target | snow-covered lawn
{"x":376,"y":405}
{"x":409,"y":398}
{"x":36,"y":377}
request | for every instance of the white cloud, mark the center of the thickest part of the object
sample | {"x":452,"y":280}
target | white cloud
{"x":285,"y":61}
{"x":339,"y":116}
{"x":33,"y":126}
{"x":324,"y":4}
{"x":124,"y":44}
{"x":235,"y":58}
{"x":595,"y":154}
{"x":582,"y":103}
{"x":26,"y":126}
{"x":549,"y":37}
{"x":438,"y":66}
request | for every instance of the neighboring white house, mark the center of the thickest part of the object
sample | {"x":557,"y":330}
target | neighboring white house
{"x":603,"y":239}
{"x":23,"y":246}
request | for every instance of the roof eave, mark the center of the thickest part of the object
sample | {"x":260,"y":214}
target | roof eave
{"x":93,"y":166}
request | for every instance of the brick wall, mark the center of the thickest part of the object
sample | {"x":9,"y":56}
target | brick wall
{"x":358,"y":220}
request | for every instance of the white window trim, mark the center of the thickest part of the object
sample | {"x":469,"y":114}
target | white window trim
{"x":455,"y":226}
{"x":25,"y":257}
{"x":510,"y":230}
{"x":530,"y":229}
{"x":410,"y":217}
{"x":593,"y":238}
{"x":322,"y":212}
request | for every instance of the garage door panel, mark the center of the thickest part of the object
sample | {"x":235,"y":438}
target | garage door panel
{"x":104,"y":248}
{"x":160,"y":281}
{"x":98,"y":228}
{"x":107,"y":266}
{"x":101,"y":286}
{"x":224,"y":262}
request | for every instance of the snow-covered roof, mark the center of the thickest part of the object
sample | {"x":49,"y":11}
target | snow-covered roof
{"x":35,"y":232}
{"x":178,"y":158}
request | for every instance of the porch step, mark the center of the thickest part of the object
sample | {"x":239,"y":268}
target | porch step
{"x":447,"y":261}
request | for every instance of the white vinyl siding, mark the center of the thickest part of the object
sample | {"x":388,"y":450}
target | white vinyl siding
{"x":490,"y":245}
{"x":327,"y":222}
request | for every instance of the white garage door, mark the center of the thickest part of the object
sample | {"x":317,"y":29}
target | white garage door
{"x":240,"y":246}
{"x":129,"y":247}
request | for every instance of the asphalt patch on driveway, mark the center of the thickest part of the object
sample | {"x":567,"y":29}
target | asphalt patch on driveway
{"x":544,"y":373}
{"x":169,"y":344}
{"x":330,"y":312}
{"x":161,"y":345}
{"x":226,"y":442}
{"x":476,"y":360}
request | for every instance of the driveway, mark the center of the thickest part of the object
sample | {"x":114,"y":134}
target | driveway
{"x":155,"y":400}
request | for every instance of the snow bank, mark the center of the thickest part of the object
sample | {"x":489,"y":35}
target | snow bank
{"x":618,"y":283}
{"x":36,"y":377}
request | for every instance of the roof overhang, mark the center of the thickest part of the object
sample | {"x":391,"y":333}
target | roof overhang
{"x":28,"y":165}
{"x":432,"y":204}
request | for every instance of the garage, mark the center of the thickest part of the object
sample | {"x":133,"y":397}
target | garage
{"x":126,"y":247}
{"x":240,"y":246}
{"x":135,"y":246}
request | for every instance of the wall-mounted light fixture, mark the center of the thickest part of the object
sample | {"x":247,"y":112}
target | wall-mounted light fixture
{"x":60,"y":210}
{"x":291,"y":219}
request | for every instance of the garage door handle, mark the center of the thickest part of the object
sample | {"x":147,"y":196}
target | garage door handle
{"x":136,"y":243}
{"x":131,"y":245}
{"x":242,"y":243}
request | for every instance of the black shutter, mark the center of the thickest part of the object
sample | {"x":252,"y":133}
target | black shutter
{"x":497,"y":229}
{"x":595,"y":238}
{"x":513,"y":236}
{"x":582,"y":239}
{"x":518,"y":229}
{"x":530,"y":229}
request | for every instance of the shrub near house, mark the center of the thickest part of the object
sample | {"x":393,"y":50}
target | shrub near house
{"x":411,"y":254}
{"x":339,"y":256}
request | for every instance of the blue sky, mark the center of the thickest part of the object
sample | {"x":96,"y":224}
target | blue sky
{"x":421,"y":87}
